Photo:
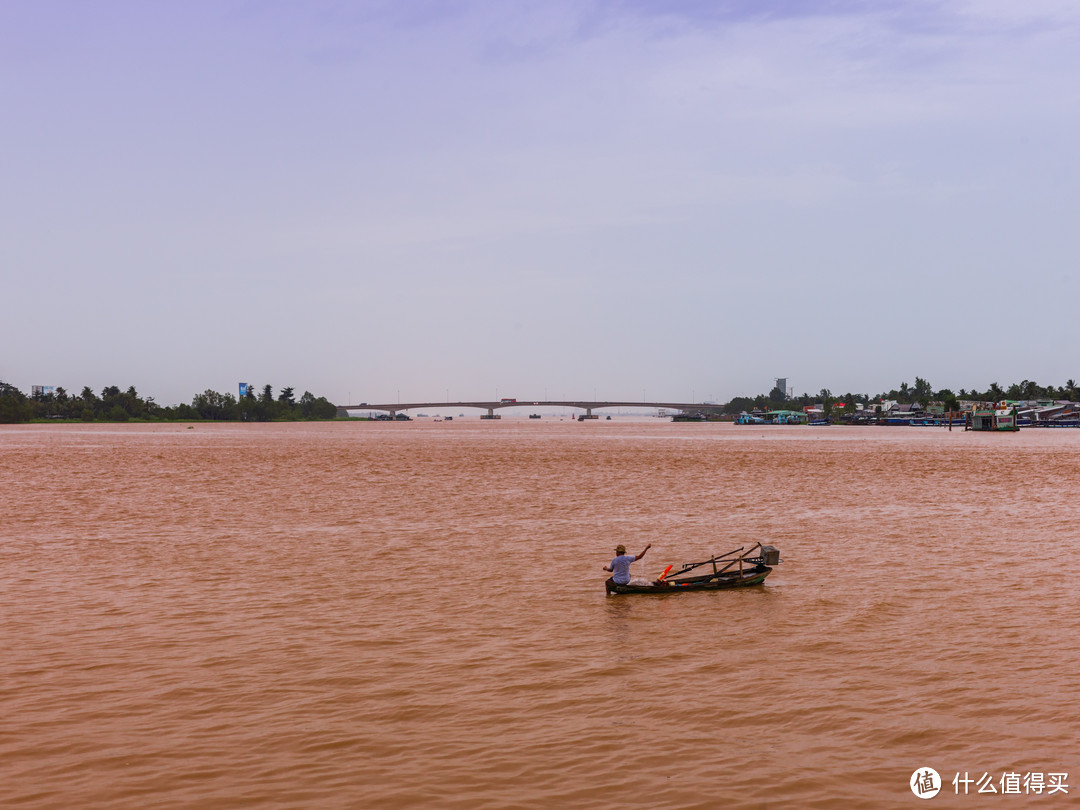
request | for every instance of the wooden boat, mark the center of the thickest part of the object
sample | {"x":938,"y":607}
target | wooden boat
{"x":728,"y":571}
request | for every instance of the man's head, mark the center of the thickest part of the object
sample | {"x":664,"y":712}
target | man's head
{"x":620,"y":549}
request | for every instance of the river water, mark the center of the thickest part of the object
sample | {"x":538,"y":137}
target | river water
{"x":349,"y":615}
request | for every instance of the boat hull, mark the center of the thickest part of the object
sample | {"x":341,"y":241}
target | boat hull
{"x":753,"y":575}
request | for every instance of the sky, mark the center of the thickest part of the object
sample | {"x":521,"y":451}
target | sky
{"x":407,"y":200}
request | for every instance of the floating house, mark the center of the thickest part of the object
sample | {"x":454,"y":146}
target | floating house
{"x":991,"y":419}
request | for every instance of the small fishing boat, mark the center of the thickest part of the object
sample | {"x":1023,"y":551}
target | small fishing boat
{"x":728,"y":571}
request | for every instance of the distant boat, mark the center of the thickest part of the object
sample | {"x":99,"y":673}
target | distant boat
{"x":751,"y":570}
{"x":779,"y":418}
{"x":534,"y":416}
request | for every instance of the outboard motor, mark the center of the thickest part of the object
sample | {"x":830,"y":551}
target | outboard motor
{"x":770,"y":555}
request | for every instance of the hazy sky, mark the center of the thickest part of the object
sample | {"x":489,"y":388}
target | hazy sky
{"x":664,"y":199}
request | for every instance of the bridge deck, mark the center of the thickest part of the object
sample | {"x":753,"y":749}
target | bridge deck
{"x":587,"y":405}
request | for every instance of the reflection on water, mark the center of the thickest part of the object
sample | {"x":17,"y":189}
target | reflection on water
{"x":348,"y":615}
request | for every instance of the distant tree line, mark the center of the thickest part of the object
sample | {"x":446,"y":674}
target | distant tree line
{"x":921,"y":392}
{"x":115,"y":405}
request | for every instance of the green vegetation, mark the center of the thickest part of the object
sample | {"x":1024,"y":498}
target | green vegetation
{"x":921,"y":392}
{"x":115,"y":405}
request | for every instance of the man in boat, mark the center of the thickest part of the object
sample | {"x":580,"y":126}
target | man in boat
{"x":620,"y":566}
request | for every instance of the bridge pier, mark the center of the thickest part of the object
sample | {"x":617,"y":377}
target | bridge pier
{"x":587,"y":415}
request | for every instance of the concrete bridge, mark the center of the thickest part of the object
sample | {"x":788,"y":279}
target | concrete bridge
{"x":394,"y":408}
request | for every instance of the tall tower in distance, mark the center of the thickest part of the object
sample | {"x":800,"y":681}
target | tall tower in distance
{"x":781,"y":383}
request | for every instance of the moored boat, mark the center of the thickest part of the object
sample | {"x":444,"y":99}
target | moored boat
{"x":728,"y":571}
